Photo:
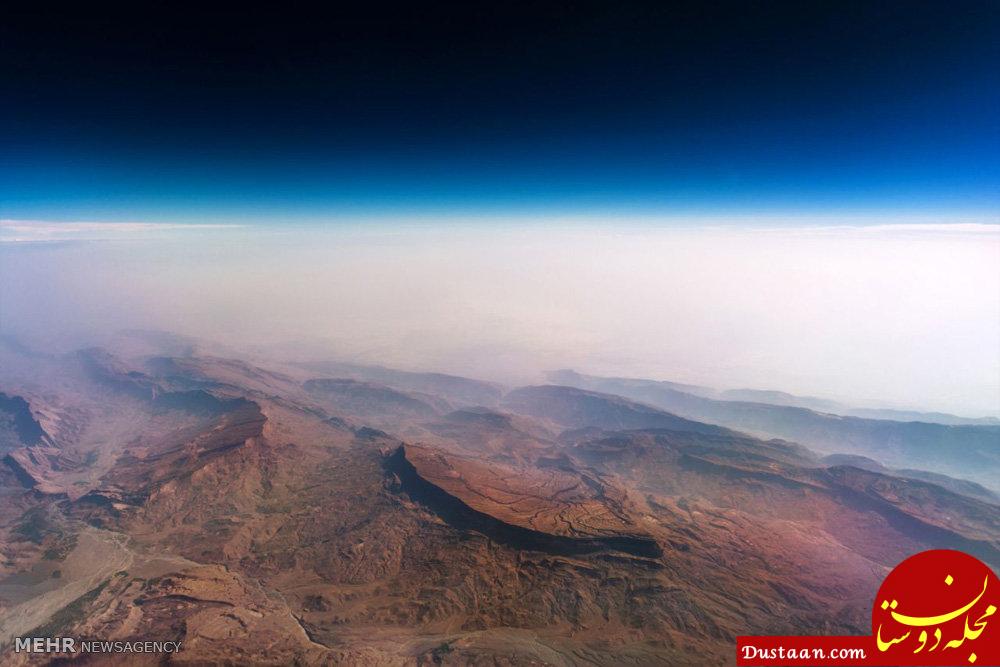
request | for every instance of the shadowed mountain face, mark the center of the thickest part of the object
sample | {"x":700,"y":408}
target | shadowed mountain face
{"x":968,"y":451}
{"x":261,"y":512}
{"x":17,"y":424}
{"x":545,"y":509}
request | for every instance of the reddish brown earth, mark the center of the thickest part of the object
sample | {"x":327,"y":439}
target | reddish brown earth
{"x":261,"y":518}
{"x":567,"y":510}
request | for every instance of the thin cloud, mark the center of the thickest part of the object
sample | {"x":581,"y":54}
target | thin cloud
{"x":40,"y":231}
{"x":977,"y":229}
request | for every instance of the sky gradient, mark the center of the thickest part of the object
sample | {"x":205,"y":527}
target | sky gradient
{"x":154,"y":115}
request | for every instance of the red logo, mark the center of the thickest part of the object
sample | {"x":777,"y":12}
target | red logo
{"x":936,"y":608}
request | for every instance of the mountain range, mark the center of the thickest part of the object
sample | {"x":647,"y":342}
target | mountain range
{"x":265,"y":512}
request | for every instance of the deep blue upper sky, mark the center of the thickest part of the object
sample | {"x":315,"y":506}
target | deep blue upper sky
{"x":161,"y":114}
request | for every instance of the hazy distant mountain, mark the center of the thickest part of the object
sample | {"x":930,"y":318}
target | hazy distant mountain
{"x":373,"y":403}
{"x":967,"y":451}
{"x":825,"y":405}
{"x":574,"y":408}
{"x":458,"y":390}
{"x":912,"y":416}
{"x":964,"y":487}
{"x":772,"y":397}
{"x":775,"y":398}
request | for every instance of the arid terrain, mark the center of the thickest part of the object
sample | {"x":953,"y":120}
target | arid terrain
{"x":268,"y":512}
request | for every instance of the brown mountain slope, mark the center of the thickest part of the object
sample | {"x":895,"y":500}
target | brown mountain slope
{"x":545,"y":506}
{"x":871,"y":513}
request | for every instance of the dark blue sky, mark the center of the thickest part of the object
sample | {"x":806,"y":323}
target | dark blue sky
{"x":159,"y":114}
